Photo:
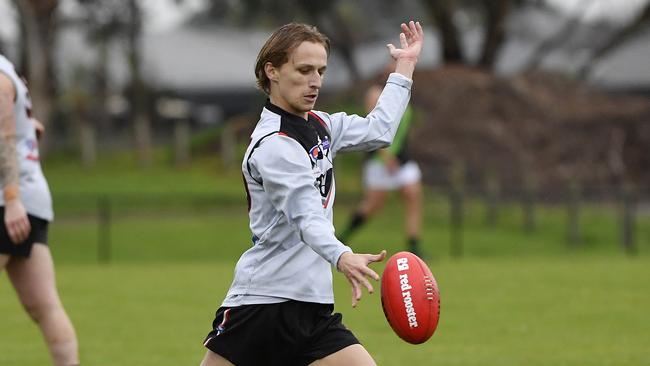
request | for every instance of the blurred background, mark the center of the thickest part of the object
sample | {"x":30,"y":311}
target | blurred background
{"x":532,"y":131}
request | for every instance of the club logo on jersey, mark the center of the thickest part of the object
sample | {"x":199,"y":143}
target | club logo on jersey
{"x":323,"y":172}
{"x":320,"y":150}
{"x":324,"y":183}
{"x":315,"y":153}
{"x":326,"y":144}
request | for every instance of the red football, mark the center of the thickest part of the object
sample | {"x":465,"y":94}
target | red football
{"x":410,"y":297}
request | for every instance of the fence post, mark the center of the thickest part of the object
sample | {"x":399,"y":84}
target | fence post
{"x":456,"y":209}
{"x":492,"y":201}
{"x":182,"y":151}
{"x":528,"y":203}
{"x":628,"y":220}
{"x":228,"y":144}
{"x":104,"y":229}
{"x":573,"y":211}
{"x":456,"y":222}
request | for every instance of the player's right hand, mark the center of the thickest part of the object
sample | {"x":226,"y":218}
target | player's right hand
{"x":410,"y":42}
{"x":16,"y":221}
{"x":356,"y":270}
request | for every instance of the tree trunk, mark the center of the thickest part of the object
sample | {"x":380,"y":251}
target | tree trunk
{"x":101,"y":117}
{"x":142,"y":125}
{"x":570,"y":26}
{"x":38,"y":26}
{"x":327,"y":18}
{"x":496,"y":13}
{"x":443,"y":13}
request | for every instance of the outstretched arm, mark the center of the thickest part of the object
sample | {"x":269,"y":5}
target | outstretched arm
{"x":377,"y":129}
{"x":15,"y":215}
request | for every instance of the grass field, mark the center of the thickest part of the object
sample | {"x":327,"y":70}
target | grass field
{"x":590,"y":311}
{"x":515,"y":298}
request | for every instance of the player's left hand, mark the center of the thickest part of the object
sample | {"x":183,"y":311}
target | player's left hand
{"x":356,"y":270}
{"x":411,"y":42}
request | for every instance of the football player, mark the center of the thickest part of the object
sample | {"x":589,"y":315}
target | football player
{"x":26,"y":210}
{"x":278,"y":310}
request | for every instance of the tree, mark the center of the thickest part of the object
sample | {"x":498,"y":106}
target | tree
{"x":617,"y":40}
{"x":491,"y":13}
{"x":142,"y":124}
{"x":569,"y":27}
{"x":38,"y":34}
{"x":105,"y":21}
{"x":442,"y":12}
{"x":326,"y":15}
{"x":496,"y":12}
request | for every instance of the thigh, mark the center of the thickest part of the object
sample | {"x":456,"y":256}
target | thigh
{"x":324,"y":335}
{"x":412,"y":192}
{"x":354,"y":355}
{"x":213,"y":359}
{"x":374,"y":201}
{"x":33,"y":277}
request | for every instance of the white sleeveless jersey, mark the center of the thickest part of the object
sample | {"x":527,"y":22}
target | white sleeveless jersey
{"x":289,"y":180}
{"x":34,"y":191}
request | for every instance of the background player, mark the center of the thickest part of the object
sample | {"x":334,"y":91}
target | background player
{"x":25,"y":210}
{"x":386,"y":170}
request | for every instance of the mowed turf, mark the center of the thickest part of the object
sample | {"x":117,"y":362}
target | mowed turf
{"x":514,"y":298}
{"x":507,"y":311}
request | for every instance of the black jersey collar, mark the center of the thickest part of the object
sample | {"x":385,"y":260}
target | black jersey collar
{"x":277,"y":110}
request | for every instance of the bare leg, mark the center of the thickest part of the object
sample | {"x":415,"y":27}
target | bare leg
{"x":213,"y":359}
{"x":373,"y":202}
{"x":412,"y":194}
{"x":354,"y":355}
{"x":33,"y":279}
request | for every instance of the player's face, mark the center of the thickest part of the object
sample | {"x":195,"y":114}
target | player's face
{"x":295,"y":85}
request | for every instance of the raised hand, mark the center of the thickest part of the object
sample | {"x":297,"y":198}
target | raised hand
{"x":410,"y":42}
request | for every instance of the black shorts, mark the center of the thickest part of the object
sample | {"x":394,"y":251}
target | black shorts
{"x":38,"y":234}
{"x":290,"y":333}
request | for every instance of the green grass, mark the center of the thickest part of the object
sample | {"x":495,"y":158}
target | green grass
{"x":587,"y":311}
{"x":514,"y":298}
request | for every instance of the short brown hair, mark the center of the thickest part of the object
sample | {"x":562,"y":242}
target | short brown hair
{"x":282,"y":42}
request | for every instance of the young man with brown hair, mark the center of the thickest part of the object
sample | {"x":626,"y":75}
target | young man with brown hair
{"x":278,"y":310}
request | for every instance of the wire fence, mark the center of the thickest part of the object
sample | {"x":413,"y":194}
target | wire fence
{"x":452,"y":206}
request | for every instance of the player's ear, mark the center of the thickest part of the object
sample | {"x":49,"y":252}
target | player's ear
{"x":271,"y":71}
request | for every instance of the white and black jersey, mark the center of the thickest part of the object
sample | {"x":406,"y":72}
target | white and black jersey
{"x":34,"y":191}
{"x":289,"y":179}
